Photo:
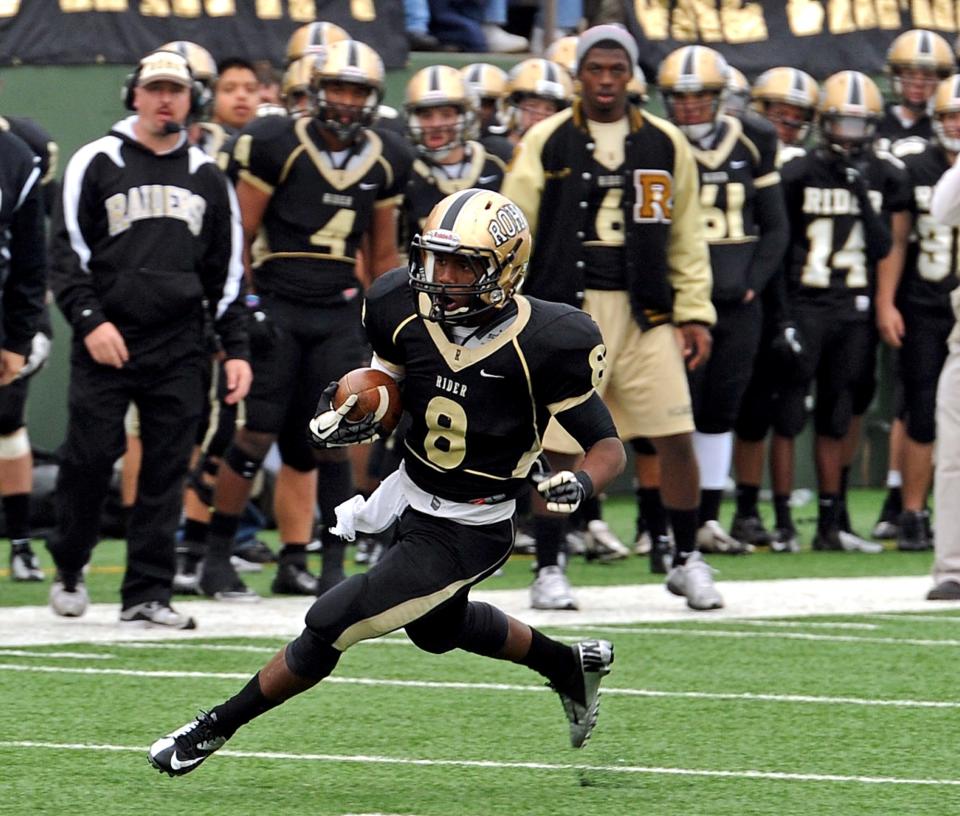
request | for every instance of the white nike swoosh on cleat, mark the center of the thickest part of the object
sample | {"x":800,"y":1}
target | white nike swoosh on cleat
{"x":180,"y":764}
{"x":484,"y":373}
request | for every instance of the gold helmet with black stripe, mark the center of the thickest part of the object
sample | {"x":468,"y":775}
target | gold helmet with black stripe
{"x":563,"y":51}
{"x":694,"y":70}
{"x":433,"y":87}
{"x":313,"y":38}
{"x":637,"y":87}
{"x":348,"y":62}
{"x":738,"y":93}
{"x":536,"y":78}
{"x":489,"y":84}
{"x":296,"y":87}
{"x":787,"y":86}
{"x":485,"y":231}
{"x":946,"y":100}
{"x":916,"y":61}
{"x":850,"y":109}
{"x":204,"y":69}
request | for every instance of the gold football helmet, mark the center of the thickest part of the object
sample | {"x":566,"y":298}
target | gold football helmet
{"x":491,"y":233}
{"x":564,"y":52}
{"x":694,"y":69}
{"x":489,"y":85}
{"x":536,"y":78}
{"x":947,"y":100}
{"x":738,"y":93}
{"x":313,"y":38}
{"x":352,"y":63}
{"x":436,"y":86}
{"x":637,"y":87}
{"x":296,"y":88}
{"x":850,"y":108}
{"x":204,"y":69}
{"x":788,"y":86}
{"x":915,"y":60}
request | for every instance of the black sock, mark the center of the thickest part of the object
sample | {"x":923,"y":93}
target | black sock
{"x":556,"y":662}
{"x":221,"y":533}
{"x":244,"y":706}
{"x":591,"y":509}
{"x":195,"y":531}
{"x":747,"y":495}
{"x":294,"y":553}
{"x":684,"y":524}
{"x":894,"y":501}
{"x":549,"y":532}
{"x":781,"y":508}
{"x":652,"y":510}
{"x":709,"y":505}
{"x":332,"y":555}
{"x":829,"y":511}
{"x":16,"y":511}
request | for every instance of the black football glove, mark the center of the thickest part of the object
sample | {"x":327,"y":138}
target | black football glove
{"x":261,"y":330}
{"x":564,"y":491}
{"x":788,"y":348}
{"x":330,"y":428}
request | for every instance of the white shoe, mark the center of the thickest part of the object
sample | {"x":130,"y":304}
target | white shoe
{"x":694,"y":581}
{"x":70,"y":603}
{"x":551,"y":590}
{"x":576,"y":542}
{"x":853,"y":543}
{"x":524,"y":543}
{"x":156,"y":613}
{"x":602,"y":544}
{"x":594,"y":657}
{"x":643,"y":544}
{"x":712,"y":538}
{"x":503,"y":42}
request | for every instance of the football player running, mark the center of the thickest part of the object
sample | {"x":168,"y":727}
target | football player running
{"x":745,"y":224}
{"x":318,"y":186}
{"x":456,"y":333}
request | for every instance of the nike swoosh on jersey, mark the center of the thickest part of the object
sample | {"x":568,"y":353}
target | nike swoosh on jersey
{"x":484,"y":373}
{"x":178,"y":764}
{"x":487,"y":179}
{"x":365,"y":186}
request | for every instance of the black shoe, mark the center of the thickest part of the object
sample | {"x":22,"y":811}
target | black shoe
{"x":835,"y":539}
{"x":256,"y":552}
{"x":219,"y":580}
{"x":785,"y":540}
{"x":183,"y":750}
{"x":661,"y":555}
{"x":293,"y":578}
{"x":945,"y":591}
{"x":887,"y":527}
{"x":187,"y":575}
{"x":422,"y":41}
{"x":913,"y":532}
{"x":24,"y":564}
{"x":750,"y":530}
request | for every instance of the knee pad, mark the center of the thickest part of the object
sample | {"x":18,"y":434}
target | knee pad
{"x":643,"y":446}
{"x":434,"y":636}
{"x":15,"y":445}
{"x":919,"y":415}
{"x":242,"y":463}
{"x":790,"y":415}
{"x":310,"y":656}
{"x":833,"y":419}
{"x":296,"y":452}
{"x":484,"y":629}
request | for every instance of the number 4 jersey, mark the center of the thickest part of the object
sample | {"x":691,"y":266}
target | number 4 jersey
{"x":827,"y":263}
{"x":478,"y":412}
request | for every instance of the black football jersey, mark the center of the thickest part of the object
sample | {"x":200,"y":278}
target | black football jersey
{"x":743,"y":161}
{"x":320,"y":204}
{"x":827,"y":263}
{"x":933,"y":256}
{"x":478,"y":414}
{"x":429,"y":184}
{"x":213,"y":139}
{"x":892,"y":136}
{"x":45,"y":149}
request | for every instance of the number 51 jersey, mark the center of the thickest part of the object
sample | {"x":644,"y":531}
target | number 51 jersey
{"x":478,"y":413}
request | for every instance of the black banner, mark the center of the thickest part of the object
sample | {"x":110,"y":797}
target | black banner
{"x":70,"y":32}
{"x":819,"y":36}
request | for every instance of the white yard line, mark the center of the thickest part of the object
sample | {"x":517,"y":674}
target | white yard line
{"x":750,"y":697}
{"x":505,"y":765}
{"x":646,"y":603}
{"x":730,"y":633}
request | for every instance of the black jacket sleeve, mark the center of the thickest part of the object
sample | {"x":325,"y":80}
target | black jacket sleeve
{"x":774,"y":236}
{"x":25,"y":287}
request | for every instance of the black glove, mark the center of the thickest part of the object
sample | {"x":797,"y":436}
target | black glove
{"x":563,"y":491}
{"x":788,"y":349}
{"x":330,"y":428}
{"x":260,"y":328}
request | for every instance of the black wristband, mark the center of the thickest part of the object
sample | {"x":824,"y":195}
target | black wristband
{"x":585,"y":482}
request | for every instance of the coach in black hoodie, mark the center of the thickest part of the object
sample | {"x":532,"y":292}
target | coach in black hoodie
{"x":146,"y":240}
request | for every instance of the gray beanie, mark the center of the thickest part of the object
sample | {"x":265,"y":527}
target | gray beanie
{"x":608,"y":31}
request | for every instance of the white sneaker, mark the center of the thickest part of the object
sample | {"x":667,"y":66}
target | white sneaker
{"x":24,"y":564}
{"x":576,"y":542}
{"x":602,"y":544}
{"x":643,"y":544}
{"x":551,"y":590}
{"x":712,"y":538}
{"x":524,"y":543}
{"x":594,"y":657}
{"x":70,"y":603}
{"x":694,"y":581}
{"x":156,"y":613}
{"x":853,"y":543}
{"x":503,"y":42}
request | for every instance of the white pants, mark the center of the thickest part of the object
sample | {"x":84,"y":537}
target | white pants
{"x":946,"y":565}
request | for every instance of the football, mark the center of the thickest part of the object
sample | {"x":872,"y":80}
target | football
{"x":377,"y":394}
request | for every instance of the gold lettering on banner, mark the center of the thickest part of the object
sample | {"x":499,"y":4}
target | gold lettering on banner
{"x":186,"y":8}
{"x":840,"y":17}
{"x":269,"y":10}
{"x":221,"y":8}
{"x":696,"y":20}
{"x":731,"y":21}
{"x":363,"y":11}
{"x":155,"y":8}
{"x":743,"y":22}
{"x":302,"y":11}
{"x":922,"y":13}
{"x":943,"y":18}
{"x":864,"y":14}
{"x":653,"y":17}
{"x":805,"y":17}
{"x":73,"y":6}
{"x":888,"y":13}
{"x":9,"y":8}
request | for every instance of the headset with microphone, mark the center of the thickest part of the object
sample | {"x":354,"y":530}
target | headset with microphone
{"x":198,"y":92}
